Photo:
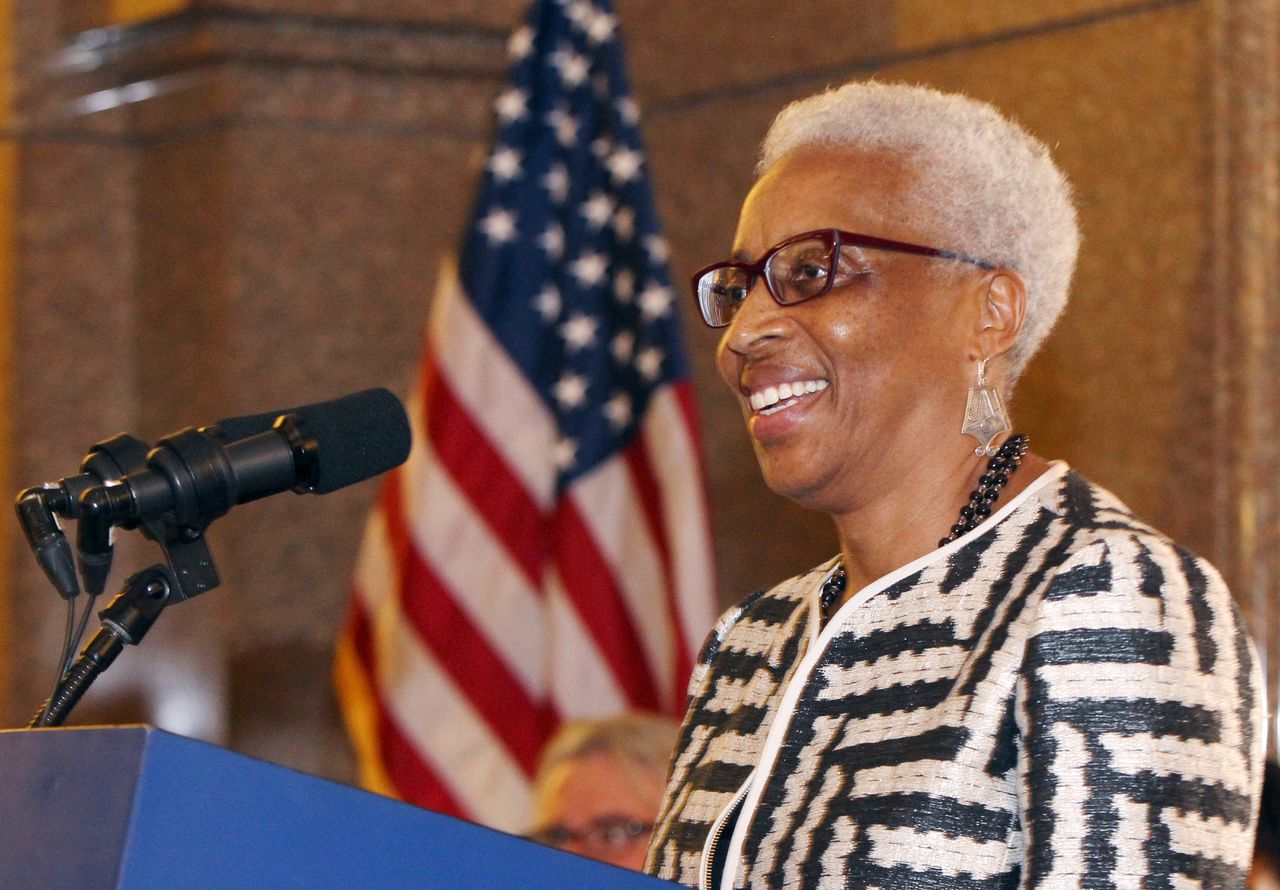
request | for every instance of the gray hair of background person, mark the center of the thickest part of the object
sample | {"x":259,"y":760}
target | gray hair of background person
{"x":988,"y":182}
{"x":643,"y":739}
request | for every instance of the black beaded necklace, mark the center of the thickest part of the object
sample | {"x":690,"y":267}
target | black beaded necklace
{"x":999,"y":468}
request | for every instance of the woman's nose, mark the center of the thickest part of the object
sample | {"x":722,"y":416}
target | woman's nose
{"x":759,"y":319}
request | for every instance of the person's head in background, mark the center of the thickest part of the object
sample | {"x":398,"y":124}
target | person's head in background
{"x":599,"y":786}
{"x":1265,"y":874}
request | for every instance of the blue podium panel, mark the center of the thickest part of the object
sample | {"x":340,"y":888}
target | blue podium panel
{"x":141,"y":809}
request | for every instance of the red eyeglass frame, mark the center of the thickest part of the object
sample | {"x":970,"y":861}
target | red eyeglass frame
{"x":835,"y":238}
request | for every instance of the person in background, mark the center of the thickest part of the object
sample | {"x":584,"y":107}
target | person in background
{"x":1265,"y":873}
{"x":599,"y":784}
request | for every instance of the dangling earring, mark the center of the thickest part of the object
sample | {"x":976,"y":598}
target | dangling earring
{"x":985,"y":417}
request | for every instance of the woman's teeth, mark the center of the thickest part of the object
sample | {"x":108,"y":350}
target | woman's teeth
{"x":775,"y":398}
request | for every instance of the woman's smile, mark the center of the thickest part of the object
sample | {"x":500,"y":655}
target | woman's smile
{"x":777,"y":410}
{"x":773,"y":399}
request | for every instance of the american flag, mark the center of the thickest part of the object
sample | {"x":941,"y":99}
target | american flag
{"x":544,"y":554}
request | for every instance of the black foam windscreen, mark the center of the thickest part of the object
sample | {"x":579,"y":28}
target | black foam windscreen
{"x":358,"y":436}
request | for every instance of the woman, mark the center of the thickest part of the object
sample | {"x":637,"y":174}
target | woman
{"x":1053,"y":694}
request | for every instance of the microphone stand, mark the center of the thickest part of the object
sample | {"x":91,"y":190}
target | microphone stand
{"x":125,"y":621}
{"x":127,"y":618}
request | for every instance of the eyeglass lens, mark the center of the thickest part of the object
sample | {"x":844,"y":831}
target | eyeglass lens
{"x":599,"y":835}
{"x":793,"y":273}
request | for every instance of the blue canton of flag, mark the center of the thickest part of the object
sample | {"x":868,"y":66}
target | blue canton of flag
{"x":565,"y":261}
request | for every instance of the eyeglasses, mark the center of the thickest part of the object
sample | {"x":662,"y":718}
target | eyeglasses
{"x":606,"y":835}
{"x":804,"y":266}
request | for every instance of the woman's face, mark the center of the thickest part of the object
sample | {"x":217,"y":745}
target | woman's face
{"x":888,"y":351}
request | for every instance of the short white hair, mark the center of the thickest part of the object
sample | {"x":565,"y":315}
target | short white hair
{"x":989,"y":182}
{"x":642,"y":738}
{"x":641,"y":744}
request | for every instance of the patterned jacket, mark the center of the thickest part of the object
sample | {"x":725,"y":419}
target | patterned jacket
{"x":1061,"y":698}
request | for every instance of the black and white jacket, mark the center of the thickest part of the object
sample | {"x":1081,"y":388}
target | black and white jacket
{"x":1061,"y":698}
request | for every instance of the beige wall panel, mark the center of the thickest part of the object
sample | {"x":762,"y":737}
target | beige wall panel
{"x":680,"y":50}
{"x":73,"y":374}
{"x":8,"y":210}
{"x":183,"y":243}
{"x":1122,"y":389}
{"x":337,"y":241}
{"x":123,"y":12}
{"x":500,"y":14}
{"x":8,"y":206}
{"x":921,"y":24}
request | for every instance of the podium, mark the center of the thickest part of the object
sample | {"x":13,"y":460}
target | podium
{"x":136,"y":808}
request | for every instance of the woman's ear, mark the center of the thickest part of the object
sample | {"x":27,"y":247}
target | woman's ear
{"x":1000,"y":316}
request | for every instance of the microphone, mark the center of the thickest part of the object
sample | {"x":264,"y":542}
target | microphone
{"x":185,"y":482}
{"x":194,"y":476}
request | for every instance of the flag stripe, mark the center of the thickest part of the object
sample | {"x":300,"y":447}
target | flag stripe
{"x":593,"y":591}
{"x":640,"y":464}
{"x":582,"y":681}
{"x":478,"y":368}
{"x":475,"y":668}
{"x":500,"y":601}
{"x":458,"y":757}
{"x":402,"y":765}
{"x":671,"y":433}
{"x":611,"y":506}
{"x":480,"y":472}
{"x":400,"y":761}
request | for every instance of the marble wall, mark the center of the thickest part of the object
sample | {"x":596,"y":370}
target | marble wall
{"x":241,"y":205}
{"x":8,"y":201}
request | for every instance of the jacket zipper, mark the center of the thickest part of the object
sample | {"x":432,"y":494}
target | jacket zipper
{"x":717,"y":832}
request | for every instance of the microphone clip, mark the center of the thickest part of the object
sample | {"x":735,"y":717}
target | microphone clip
{"x":184,"y":545}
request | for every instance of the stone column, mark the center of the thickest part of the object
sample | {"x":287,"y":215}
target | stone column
{"x":1242,"y":273}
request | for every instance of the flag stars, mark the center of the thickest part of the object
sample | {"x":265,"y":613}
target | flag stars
{"x":618,"y":410}
{"x":579,"y":331}
{"x":511,"y":105}
{"x":552,"y":241}
{"x":623,"y":346}
{"x":505,"y":164}
{"x":499,"y":226}
{"x":649,"y":363}
{"x":601,"y":26}
{"x":565,"y":126}
{"x":602,"y":147}
{"x":573,"y":67}
{"x":590,"y":269}
{"x":598,"y":210}
{"x":656,"y":245}
{"x":570,"y":391}
{"x":629,"y":110}
{"x":624,"y":223}
{"x":521,"y":43}
{"x":655,"y":302}
{"x":556,"y":182}
{"x":624,"y":286}
{"x":564,"y":453}
{"x":579,"y":12}
{"x":624,"y":164}
{"x":548,"y":303}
